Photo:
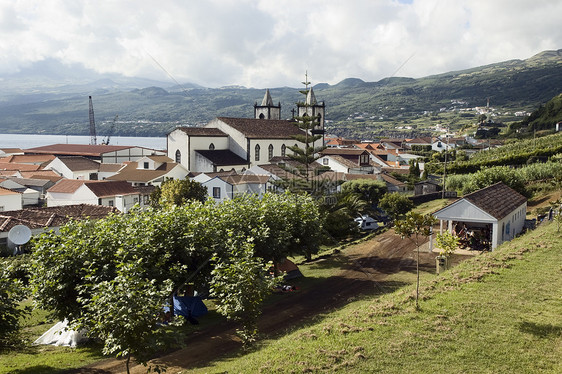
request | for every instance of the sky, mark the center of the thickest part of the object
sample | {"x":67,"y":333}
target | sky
{"x":273,"y":43}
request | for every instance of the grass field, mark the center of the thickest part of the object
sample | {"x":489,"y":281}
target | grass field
{"x":499,"y":312}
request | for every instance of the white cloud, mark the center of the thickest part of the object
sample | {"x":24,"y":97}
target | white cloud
{"x":264,"y":43}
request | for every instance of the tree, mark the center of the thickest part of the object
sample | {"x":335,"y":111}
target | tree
{"x":340,"y":217}
{"x":177,"y":192}
{"x":114,"y":276}
{"x":447,"y":242}
{"x":11,"y":293}
{"x":370,"y":190}
{"x":309,"y":153}
{"x":396,"y":204}
{"x":240,"y":283}
{"x":416,"y":227}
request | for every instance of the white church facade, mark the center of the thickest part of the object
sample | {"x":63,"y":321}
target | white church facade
{"x":227,"y":143}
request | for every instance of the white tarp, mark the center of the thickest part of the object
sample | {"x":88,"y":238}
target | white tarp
{"x":61,"y":335}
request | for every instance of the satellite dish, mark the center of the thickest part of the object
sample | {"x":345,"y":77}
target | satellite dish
{"x":19,"y":234}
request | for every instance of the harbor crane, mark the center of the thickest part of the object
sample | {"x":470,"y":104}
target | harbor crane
{"x":110,"y":131}
{"x":93,"y":137}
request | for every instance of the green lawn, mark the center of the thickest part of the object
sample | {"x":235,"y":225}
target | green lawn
{"x":497,"y":313}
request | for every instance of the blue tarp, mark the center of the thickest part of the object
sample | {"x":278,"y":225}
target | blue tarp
{"x":183,"y":305}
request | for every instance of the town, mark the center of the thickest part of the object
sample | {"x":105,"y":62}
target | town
{"x":309,"y":193}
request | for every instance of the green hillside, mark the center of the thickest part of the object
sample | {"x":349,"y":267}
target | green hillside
{"x":496,"y":313}
{"x":354,"y":107}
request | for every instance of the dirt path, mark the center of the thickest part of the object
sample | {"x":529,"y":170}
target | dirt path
{"x":368,"y":264}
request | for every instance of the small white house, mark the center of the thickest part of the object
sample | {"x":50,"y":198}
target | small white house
{"x":75,"y":167}
{"x":492,"y":215}
{"x":150,"y":171}
{"x":10,"y":200}
{"x":118,"y":194}
{"x":228,"y":187}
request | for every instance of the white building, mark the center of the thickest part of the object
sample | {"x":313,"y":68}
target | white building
{"x":241,"y":143}
{"x":494,"y":214}
{"x":150,"y":170}
{"x":118,"y":194}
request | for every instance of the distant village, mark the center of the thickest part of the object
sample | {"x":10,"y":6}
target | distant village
{"x":44,"y":187}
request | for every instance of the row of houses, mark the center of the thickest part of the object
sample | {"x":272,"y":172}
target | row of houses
{"x":229,"y":156}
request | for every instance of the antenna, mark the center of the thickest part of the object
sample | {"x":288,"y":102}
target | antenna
{"x":19,"y":234}
{"x":93,"y":139}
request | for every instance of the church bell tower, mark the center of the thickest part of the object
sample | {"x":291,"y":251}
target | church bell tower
{"x":267,"y":110}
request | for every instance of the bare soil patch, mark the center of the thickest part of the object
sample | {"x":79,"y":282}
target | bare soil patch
{"x":367,"y":265}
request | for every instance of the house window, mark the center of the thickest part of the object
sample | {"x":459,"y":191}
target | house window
{"x":110,"y":203}
{"x":217,"y":192}
{"x":270,"y":151}
{"x":211,"y":147}
{"x":283,"y":150}
{"x":135,"y":200}
{"x":178,"y":156}
{"x":145,"y":165}
{"x":257,"y":156}
{"x":325,"y":161}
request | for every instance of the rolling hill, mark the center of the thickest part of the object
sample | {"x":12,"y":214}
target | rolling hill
{"x":35,"y":103}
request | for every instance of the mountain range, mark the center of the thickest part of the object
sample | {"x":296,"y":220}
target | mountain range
{"x":51,"y":98}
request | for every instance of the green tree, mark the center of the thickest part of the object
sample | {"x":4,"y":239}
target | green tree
{"x":395,"y":204}
{"x":11,"y":293}
{"x":178,"y":192}
{"x":340,"y":217}
{"x":447,"y":242}
{"x":240,"y":283}
{"x":370,"y":190}
{"x":416,"y":227}
{"x":308,"y":153}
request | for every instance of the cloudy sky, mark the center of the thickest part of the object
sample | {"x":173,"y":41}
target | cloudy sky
{"x":271,"y":43}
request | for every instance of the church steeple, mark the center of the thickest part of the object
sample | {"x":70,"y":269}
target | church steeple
{"x":267,"y":110}
{"x":312,"y":108}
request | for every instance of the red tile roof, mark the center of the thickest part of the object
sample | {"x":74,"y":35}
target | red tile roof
{"x":201,"y":131}
{"x":79,"y":163}
{"x":263,"y":128}
{"x":107,"y":188}
{"x":28,"y":159}
{"x":76,"y":149}
{"x":56,"y":216}
{"x":19,"y":167}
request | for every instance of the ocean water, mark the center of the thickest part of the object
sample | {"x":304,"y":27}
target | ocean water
{"x":25,"y":141}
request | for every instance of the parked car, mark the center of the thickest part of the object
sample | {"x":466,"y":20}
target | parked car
{"x":366,"y":223}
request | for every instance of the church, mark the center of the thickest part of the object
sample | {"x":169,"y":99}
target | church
{"x":240,"y":143}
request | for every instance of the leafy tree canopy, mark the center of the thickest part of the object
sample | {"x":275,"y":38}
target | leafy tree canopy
{"x":370,"y":190}
{"x":114,"y":275}
{"x":396,"y":204}
{"x":178,"y":192}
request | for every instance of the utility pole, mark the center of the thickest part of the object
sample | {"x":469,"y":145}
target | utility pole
{"x":445,"y":165}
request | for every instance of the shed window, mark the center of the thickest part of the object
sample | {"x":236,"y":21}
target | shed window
{"x":216,"y":192}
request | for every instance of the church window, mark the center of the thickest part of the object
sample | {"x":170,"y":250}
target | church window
{"x":262,"y":116}
{"x":283,"y":150}
{"x":270,"y":151}
{"x":257,"y":156}
{"x":211,"y":147}
{"x":178,"y":156}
